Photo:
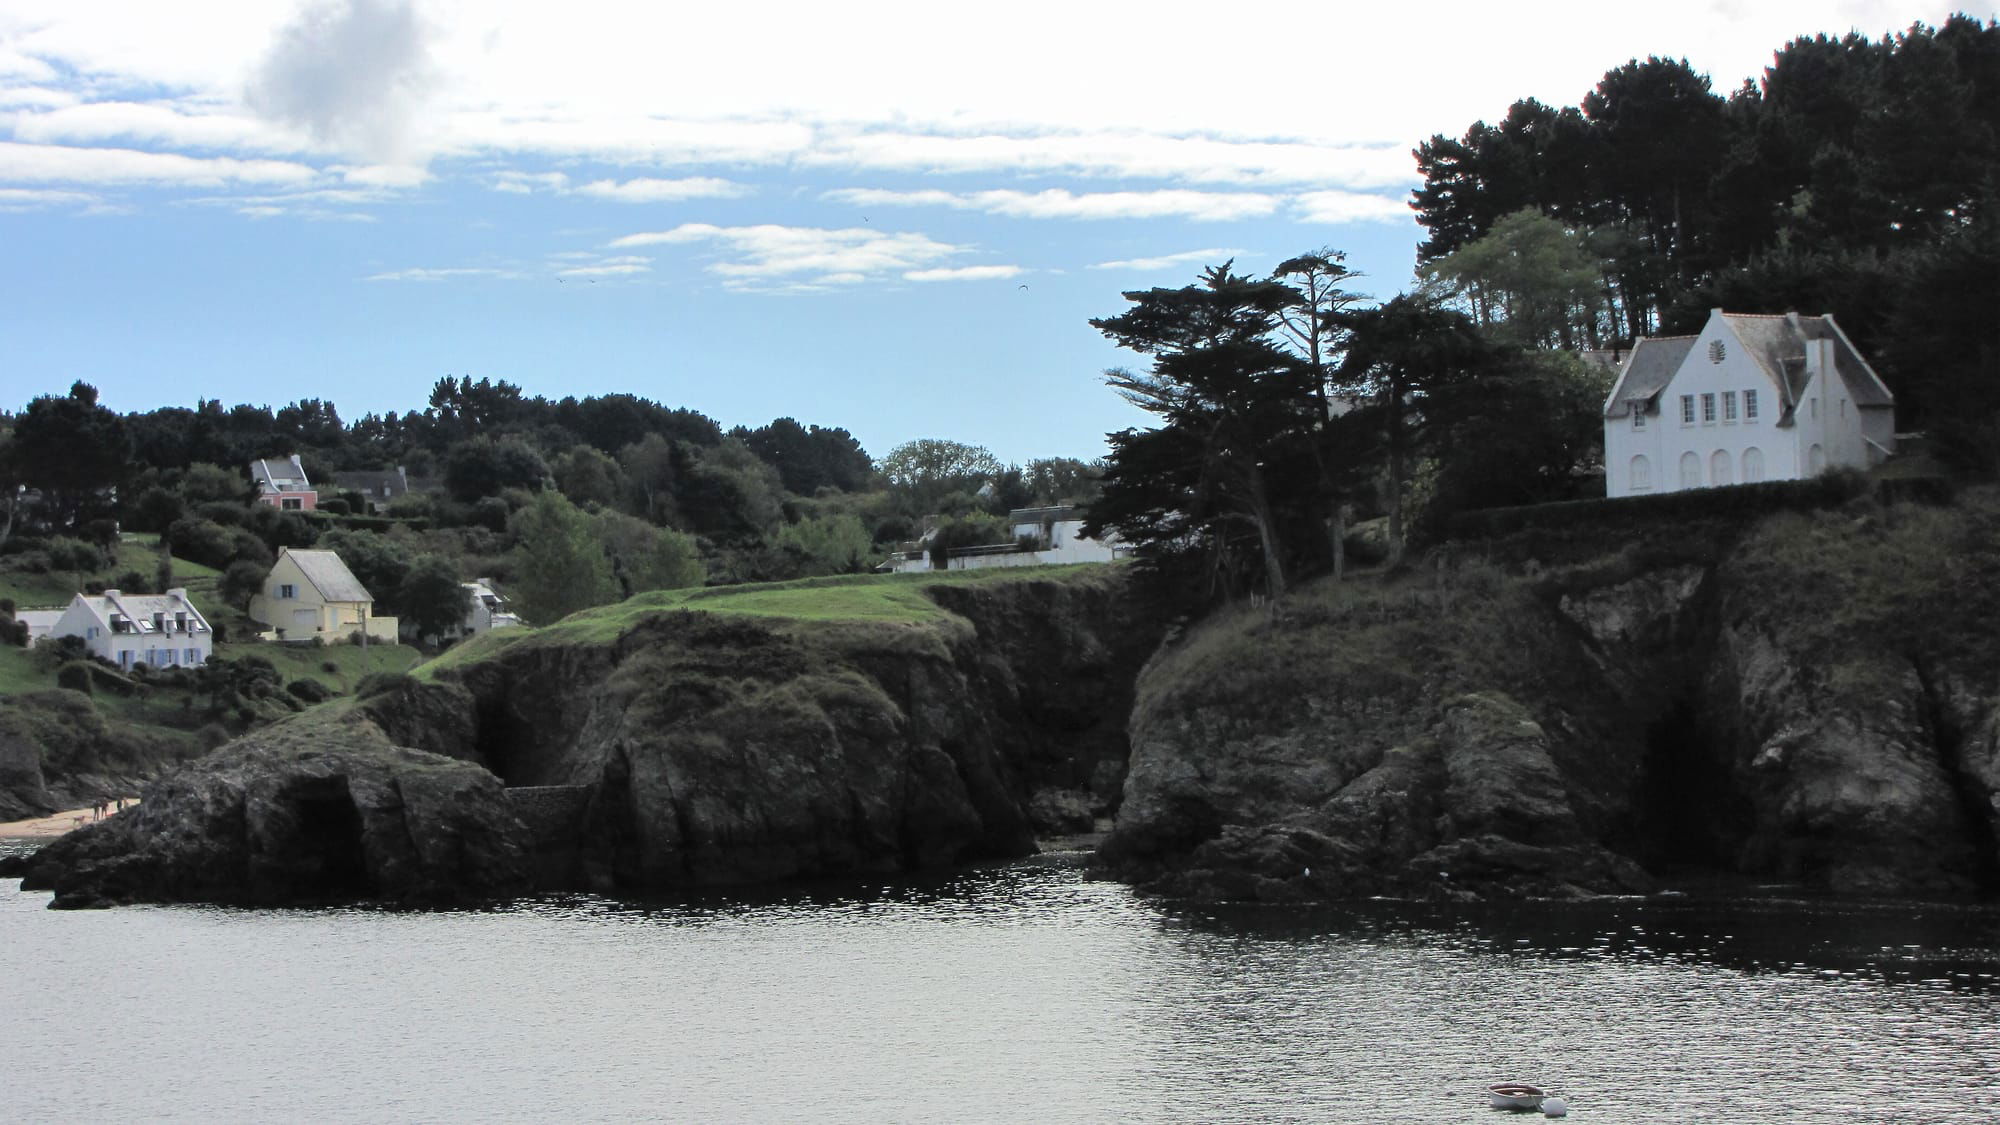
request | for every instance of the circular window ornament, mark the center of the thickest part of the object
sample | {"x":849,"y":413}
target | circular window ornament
{"x":1715,"y":351}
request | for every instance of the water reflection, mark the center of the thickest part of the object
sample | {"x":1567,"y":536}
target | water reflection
{"x":1019,"y":992}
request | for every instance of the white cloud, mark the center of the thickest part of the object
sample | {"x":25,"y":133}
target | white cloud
{"x":965,"y":273}
{"x":759,"y":256}
{"x":154,"y":123}
{"x":35,"y":97}
{"x":1349,"y":207}
{"x":447,"y":274}
{"x":35,"y":199}
{"x":1056,"y":203}
{"x":1168,"y":261}
{"x":621,"y":266}
{"x":1192,"y":159}
{"x":663,"y":191}
{"x":351,"y":74}
{"x":24,"y":163}
{"x":527,"y":183}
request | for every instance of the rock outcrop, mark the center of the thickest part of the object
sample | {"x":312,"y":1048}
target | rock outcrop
{"x":324,"y":809}
{"x":683,"y":748}
{"x":1811,"y":700}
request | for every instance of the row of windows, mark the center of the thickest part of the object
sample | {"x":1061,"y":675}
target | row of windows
{"x":159,"y":656}
{"x":1707,"y":403}
{"x":1721,"y":468}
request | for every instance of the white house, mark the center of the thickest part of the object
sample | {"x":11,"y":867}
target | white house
{"x":128,"y":629}
{"x":312,"y":594}
{"x":486,"y":612}
{"x":1748,"y":399}
{"x":1041,"y":536}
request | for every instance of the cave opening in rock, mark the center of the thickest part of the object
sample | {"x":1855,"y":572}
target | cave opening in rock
{"x":335,"y":863}
{"x":1686,"y":818}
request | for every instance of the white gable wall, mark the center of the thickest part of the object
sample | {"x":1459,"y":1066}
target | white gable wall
{"x":1705,"y":452}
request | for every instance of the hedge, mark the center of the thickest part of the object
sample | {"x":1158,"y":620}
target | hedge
{"x":1828,"y":490}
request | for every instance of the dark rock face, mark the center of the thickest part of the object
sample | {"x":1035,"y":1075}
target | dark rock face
{"x":1824,"y":716}
{"x":725,"y":749}
{"x":309,"y":812}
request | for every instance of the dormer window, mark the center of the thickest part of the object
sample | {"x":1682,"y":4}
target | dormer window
{"x":1638,"y":417}
{"x":1716,"y":351}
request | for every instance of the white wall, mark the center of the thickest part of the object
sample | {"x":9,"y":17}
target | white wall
{"x":1665,"y":440}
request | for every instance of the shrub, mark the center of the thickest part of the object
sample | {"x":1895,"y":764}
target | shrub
{"x":75,"y":676}
{"x":335,"y":505}
{"x":132,"y":582}
{"x":224,"y":512}
{"x":312,"y":691}
{"x":74,"y":554}
{"x":12,"y":631}
{"x":383,"y":683}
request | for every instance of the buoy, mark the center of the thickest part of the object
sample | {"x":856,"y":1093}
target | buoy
{"x":1554,"y":1107}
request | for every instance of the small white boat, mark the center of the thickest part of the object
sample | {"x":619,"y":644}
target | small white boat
{"x":1515,"y":1095}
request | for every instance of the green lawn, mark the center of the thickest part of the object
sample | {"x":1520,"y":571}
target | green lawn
{"x":339,"y":667}
{"x":882,"y":598}
{"x":136,"y":552}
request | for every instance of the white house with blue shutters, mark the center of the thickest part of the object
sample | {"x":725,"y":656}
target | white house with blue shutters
{"x":1747,"y":399}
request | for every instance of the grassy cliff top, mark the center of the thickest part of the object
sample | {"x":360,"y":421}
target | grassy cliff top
{"x":866,"y":598}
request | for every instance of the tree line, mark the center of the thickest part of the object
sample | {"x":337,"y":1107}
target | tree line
{"x":583,"y":500}
{"x":1859,"y":177}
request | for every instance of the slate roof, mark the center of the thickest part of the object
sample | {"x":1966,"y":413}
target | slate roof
{"x":1777,"y":343}
{"x":1648,"y":370}
{"x":330,"y":576}
{"x":279,"y":474}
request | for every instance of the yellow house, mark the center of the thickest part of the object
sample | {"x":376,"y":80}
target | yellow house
{"x":312,"y":594}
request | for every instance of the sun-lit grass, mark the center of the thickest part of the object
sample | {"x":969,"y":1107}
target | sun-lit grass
{"x":877,"y":598}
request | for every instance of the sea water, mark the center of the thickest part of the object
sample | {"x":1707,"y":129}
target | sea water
{"x":1021,"y":992}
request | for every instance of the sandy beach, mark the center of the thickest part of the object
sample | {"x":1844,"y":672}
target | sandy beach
{"x":46,"y":827}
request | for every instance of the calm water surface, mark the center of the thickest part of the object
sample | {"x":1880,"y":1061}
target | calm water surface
{"x":1016,"y":993}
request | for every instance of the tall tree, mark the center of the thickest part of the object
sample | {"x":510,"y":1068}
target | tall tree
{"x":1221,"y":382}
{"x":1408,"y":355}
{"x":73,"y":450}
{"x":559,"y":563}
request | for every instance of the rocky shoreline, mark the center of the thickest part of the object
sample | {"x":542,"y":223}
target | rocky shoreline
{"x":1810,"y":701}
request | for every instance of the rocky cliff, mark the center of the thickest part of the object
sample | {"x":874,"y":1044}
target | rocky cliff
{"x":1811,"y":699}
{"x":319,"y":810}
{"x":859,"y":726}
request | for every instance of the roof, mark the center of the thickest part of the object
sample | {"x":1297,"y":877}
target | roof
{"x":328,"y":575}
{"x":140,"y":608}
{"x":1777,"y":343}
{"x":1057,"y":513}
{"x":1648,"y":370}
{"x":372,"y":481}
{"x":279,"y":474}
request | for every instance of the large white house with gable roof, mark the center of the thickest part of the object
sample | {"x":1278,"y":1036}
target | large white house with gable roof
{"x":127,"y":629}
{"x":312,"y":594}
{"x":1747,"y":399}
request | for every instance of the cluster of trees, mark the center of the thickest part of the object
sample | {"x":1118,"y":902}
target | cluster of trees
{"x":1858,"y":177}
{"x":1285,"y":406}
{"x":570,"y":503}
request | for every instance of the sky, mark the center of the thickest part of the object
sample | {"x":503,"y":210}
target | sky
{"x":896,"y":218}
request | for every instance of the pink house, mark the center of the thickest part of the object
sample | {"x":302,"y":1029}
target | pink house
{"x":283,"y":484}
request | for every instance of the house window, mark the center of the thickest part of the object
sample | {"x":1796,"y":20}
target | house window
{"x":194,"y":656}
{"x":1749,"y":406}
{"x":287,"y":592}
{"x":1638,"y":417}
{"x":1815,"y":409}
{"x":125,"y":659}
{"x":1690,"y":470}
{"x":1687,"y":410}
{"x":1719,"y":471}
{"x":1753,"y":465}
{"x":1642,"y":474}
{"x":90,"y":633}
{"x":1708,"y":409}
{"x":1729,"y":406}
{"x":292,"y":504}
{"x":1716,"y":351}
